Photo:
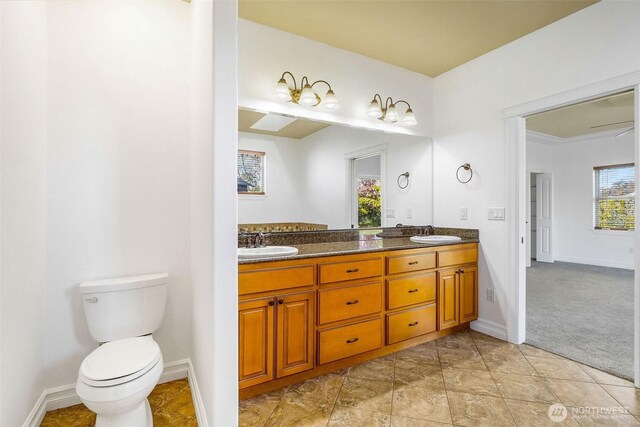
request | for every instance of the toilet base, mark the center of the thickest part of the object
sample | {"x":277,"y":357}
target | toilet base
{"x":140,"y":416}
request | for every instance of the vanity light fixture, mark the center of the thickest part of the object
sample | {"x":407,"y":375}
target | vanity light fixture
{"x":305,"y":95}
{"x":389,"y":113}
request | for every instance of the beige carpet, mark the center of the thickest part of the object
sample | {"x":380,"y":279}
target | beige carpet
{"x":582,"y":312}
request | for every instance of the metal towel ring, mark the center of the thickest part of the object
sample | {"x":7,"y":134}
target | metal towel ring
{"x":466,"y":167}
{"x":406,"y":177}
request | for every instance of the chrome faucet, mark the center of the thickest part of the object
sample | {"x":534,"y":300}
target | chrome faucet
{"x":428,"y":230}
{"x":261,"y":240}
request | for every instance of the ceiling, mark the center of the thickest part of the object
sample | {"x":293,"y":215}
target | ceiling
{"x":298,"y":129}
{"x":599,"y":115}
{"x":429,"y":37}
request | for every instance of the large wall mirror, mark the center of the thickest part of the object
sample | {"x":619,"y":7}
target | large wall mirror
{"x":295,"y":174}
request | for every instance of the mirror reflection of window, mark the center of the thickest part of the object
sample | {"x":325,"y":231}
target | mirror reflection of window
{"x":251,"y":172}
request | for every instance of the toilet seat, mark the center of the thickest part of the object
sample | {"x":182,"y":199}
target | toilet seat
{"x":120,"y":361}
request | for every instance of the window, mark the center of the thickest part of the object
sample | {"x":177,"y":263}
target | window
{"x":614,"y":197}
{"x":250,"y":172}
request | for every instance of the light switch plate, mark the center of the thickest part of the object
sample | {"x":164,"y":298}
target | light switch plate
{"x":496,"y":214}
{"x":463,"y":213}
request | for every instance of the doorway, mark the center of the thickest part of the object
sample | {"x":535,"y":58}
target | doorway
{"x":517,"y":177}
{"x":366,"y":185}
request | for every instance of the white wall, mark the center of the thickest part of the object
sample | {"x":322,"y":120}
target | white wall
{"x":118,"y":165}
{"x":282,"y":201}
{"x":264,"y":53}
{"x":324,"y":155}
{"x":572,"y":163}
{"x":95,"y":176}
{"x":23,"y":192}
{"x":214,"y":347}
{"x":588,"y":46}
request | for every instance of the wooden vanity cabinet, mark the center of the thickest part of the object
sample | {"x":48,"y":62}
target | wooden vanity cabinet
{"x":457,"y":296}
{"x":276,"y":329}
{"x":302,"y":318}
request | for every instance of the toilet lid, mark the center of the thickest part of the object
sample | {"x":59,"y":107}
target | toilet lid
{"x":120,"y":358}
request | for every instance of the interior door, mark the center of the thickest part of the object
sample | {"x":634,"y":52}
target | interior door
{"x":544,"y":217}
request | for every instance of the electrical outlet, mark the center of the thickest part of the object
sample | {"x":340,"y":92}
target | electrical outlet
{"x":409,"y":214}
{"x":491,"y":295}
{"x":463,"y":213}
{"x":391,"y":213}
{"x":630,"y":250}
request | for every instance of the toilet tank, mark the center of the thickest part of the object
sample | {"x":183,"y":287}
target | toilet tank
{"x":124,"y":307}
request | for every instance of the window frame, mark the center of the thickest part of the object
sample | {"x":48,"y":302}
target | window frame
{"x":263,"y":161}
{"x":596,"y":199}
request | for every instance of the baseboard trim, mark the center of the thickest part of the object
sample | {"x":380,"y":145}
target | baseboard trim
{"x":201,"y":416}
{"x":596,"y":262}
{"x":490,"y":328}
{"x":64,"y":396}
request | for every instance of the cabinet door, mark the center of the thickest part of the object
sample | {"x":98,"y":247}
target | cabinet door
{"x":448,"y":299}
{"x":256,"y":337}
{"x":468,"y":294}
{"x":295,"y":348}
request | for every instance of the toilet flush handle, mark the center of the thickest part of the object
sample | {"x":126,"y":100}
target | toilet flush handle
{"x":92,"y":300}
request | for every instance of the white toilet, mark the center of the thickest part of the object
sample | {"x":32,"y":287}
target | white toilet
{"x":115,"y":380}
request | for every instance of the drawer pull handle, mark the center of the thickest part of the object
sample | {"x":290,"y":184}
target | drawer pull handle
{"x":413,"y":262}
{"x":355,"y":301}
{"x":413,"y":290}
{"x":413,"y":323}
{"x":355,"y":270}
{"x":351,"y":341}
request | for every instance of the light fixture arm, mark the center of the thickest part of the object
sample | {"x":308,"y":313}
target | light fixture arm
{"x":295,"y":86}
{"x":321,"y":81}
{"x":403,"y":102}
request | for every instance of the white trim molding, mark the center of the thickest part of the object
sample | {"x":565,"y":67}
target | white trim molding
{"x":64,"y":396}
{"x":488,"y":327}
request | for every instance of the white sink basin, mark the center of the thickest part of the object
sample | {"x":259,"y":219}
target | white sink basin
{"x":266,"y":252}
{"x":435,"y":239}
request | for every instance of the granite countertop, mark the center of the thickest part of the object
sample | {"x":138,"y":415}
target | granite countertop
{"x":315,"y":250}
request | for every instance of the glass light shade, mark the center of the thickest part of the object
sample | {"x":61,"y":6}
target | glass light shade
{"x":330,"y":101}
{"x":409,"y":118}
{"x":281,"y":91}
{"x":392,"y":114}
{"x":307,"y":96}
{"x":374,"y":110}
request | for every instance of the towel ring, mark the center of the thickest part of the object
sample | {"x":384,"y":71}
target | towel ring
{"x":406,"y":177}
{"x":466,"y":167}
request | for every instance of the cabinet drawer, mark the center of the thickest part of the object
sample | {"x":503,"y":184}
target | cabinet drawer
{"x":349,"y":302}
{"x":350,"y":270}
{"x":349,"y":340}
{"x":411,"y":323}
{"x":408,"y":263}
{"x":411,"y":290}
{"x":250,"y":282}
{"x":456,"y":257}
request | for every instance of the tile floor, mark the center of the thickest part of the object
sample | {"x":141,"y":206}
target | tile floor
{"x":170,"y":402}
{"x":467,"y":379}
